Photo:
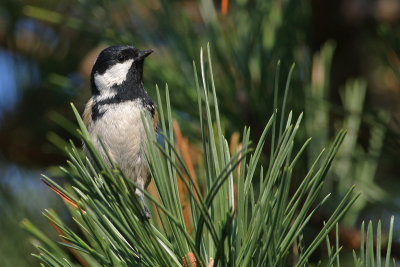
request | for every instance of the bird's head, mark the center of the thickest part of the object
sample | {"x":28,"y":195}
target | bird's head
{"x":118,"y":68}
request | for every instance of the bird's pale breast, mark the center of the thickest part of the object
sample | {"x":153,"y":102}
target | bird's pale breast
{"x":122,"y":131}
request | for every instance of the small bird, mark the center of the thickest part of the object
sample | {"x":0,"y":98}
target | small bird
{"x":113,"y":113}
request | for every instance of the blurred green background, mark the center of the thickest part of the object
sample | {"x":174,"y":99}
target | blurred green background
{"x":346,"y":76}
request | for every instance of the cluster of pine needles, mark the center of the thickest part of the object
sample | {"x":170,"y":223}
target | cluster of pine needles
{"x":244,"y":216}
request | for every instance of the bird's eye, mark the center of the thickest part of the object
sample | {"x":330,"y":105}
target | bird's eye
{"x":121,"y":58}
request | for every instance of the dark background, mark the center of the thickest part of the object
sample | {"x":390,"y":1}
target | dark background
{"x":346,"y":76}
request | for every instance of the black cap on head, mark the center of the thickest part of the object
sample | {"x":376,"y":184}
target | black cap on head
{"x":118,"y":54}
{"x":113,"y":55}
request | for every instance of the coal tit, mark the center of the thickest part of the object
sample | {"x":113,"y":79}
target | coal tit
{"x":113,"y":113}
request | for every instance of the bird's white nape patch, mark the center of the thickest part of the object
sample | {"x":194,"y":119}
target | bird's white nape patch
{"x":112,"y":76}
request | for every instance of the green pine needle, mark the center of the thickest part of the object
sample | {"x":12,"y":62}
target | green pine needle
{"x":257,"y":226}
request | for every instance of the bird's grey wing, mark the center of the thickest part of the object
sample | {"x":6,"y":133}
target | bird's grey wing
{"x":153,"y":112}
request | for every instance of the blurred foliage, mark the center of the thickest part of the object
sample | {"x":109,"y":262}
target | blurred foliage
{"x":19,"y":200}
{"x":247,"y":43}
{"x":346,"y":75}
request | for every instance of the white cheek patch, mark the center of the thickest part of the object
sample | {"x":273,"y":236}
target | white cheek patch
{"x":113,"y":76}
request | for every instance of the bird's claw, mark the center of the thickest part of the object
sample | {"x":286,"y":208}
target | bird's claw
{"x":146,"y":210}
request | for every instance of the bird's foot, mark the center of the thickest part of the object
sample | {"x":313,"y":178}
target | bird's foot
{"x":146,"y":210}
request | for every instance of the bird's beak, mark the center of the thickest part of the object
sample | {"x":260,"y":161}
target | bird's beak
{"x":144,"y":53}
